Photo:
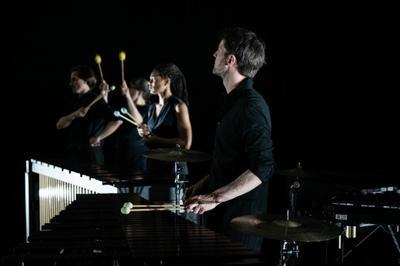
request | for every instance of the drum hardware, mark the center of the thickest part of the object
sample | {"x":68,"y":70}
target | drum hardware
{"x":178,"y":155}
{"x":350,"y":231}
{"x":390,"y":229}
{"x":297,"y":172}
{"x":290,"y":229}
{"x":180,"y":183}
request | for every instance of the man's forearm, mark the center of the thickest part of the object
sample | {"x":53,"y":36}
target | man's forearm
{"x":241,"y":185}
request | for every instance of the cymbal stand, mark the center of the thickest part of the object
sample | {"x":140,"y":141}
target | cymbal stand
{"x":289,"y":253}
{"x":180,"y":182}
{"x":290,"y":249}
{"x":293,"y":198}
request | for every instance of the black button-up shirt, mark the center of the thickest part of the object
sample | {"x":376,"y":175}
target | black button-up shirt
{"x":243,"y":139}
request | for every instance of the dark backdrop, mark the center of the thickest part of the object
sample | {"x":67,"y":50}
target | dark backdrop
{"x":330,"y":81}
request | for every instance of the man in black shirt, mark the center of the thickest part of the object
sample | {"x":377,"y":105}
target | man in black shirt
{"x":242,"y":158}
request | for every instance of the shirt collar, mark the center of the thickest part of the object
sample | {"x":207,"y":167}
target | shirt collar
{"x":235,"y":94}
{"x":245,"y":84}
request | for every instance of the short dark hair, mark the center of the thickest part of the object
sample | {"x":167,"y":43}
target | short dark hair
{"x":248,"y":49}
{"x":86,"y":73}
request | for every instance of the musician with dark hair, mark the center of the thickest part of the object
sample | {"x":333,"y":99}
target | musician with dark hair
{"x":88,"y":119}
{"x":168,"y":119}
{"x":242,"y":158}
{"x":167,"y":122}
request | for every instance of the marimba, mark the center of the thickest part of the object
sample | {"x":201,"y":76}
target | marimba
{"x":54,"y":188}
{"x":92,"y":230}
{"x":50,"y":185}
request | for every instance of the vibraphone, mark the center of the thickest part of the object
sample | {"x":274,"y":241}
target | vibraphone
{"x":92,"y":230}
{"x":363,"y":213}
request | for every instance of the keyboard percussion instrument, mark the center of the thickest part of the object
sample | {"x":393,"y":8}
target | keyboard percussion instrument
{"x":92,"y":230}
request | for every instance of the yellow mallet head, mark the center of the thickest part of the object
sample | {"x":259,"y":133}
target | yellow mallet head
{"x":122,"y":56}
{"x":97,"y":59}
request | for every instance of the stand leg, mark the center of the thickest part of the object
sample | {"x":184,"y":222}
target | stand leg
{"x":396,"y":239}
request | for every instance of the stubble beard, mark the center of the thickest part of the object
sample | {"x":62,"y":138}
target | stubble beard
{"x":217,"y":71}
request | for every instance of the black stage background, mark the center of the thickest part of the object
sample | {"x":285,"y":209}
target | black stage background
{"x":331,"y":77}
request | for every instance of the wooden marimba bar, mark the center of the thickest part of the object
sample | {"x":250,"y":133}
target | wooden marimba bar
{"x":92,"y":230}
{"x":57,"y":187}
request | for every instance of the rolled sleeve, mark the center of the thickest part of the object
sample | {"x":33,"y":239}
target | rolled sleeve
{"x":258,"y":143}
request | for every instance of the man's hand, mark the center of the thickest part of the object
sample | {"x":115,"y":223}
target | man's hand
{"x":199,"y":204}
{"x":95,"y":141}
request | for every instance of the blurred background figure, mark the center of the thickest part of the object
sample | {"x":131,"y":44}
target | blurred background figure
{"x":127,"y":148}
{"x":88,"y":119}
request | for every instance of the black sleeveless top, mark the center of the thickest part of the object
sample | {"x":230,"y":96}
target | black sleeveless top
{"x":165,"y":125}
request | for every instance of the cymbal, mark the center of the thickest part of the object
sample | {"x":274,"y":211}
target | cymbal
{"x":296,"y":172}
{"x":177,"y":155}
{"x":303,"y":229}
